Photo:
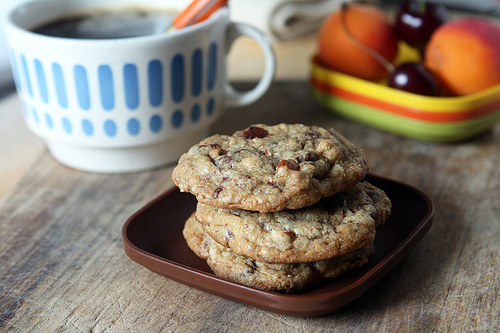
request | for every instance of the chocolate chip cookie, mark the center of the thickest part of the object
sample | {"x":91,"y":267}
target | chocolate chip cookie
{"x":270,"y":168}
{"x":273,"y":277}
{"x":334,"y":226}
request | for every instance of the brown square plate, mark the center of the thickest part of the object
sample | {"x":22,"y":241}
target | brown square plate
{"x":152,"y":237}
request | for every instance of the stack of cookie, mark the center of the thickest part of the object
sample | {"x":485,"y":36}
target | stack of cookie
{"x":280,"y":207}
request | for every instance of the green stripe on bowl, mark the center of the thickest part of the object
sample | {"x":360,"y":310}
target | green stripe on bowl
{"x":416,"y":129}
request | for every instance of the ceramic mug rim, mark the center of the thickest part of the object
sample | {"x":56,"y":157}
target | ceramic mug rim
{"x":11,"y":21}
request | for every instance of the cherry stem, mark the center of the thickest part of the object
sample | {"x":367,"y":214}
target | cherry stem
{"x":421,"y":6}
{"x":371,"y":52}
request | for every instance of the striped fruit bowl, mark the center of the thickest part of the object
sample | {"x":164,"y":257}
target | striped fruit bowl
{"x":436,"y":119}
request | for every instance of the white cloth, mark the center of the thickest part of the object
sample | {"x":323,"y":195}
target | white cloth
{"x":283,"y":19}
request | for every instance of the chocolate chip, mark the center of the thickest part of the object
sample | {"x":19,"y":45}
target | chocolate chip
{"x":292,"y":234}
{"x":217,"y":191}
{"x":254,"y":265}
{"x":255,"y":132}
{"x":290,"y":164}
{"x":252,"y":268}
{"x":310,"y":157}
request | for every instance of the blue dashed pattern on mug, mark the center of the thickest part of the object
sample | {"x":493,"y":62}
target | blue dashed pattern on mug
{"x":27,"y":75}
{"x":42,"y":83}
{"x":188,"y":76}
{"x":131,"y":86}
{"x":106,"y":87}
{"x":66,"y":123}
{"x":177,"y":119}
{"x":133,"y":126}
{"x":177,"y":79}
{"x":82,"y":87}
{"x":87,"y":127}
{"x":60,"y":85}
{"x":110,"y":128}
{"x":155,"y":123}
{"x":212,"y":66}
{"x":195,"y":113}
{"x":197,"y":73}
{"x":155,"y":82}
{"x":48,"y":120}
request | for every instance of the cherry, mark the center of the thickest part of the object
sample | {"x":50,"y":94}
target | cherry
{"x":416,"y":20}
{"x":415,"y":78}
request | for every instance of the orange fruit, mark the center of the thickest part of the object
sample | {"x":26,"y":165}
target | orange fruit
{"x":348,"y":37}
{"x":464,"y":55}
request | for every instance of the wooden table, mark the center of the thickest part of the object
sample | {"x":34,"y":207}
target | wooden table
{"x":63,"y":268}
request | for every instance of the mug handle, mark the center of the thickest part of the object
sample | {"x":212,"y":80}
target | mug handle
{"x":235,"y":98}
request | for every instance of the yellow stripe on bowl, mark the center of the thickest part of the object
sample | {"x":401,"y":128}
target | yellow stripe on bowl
{"x":384,"y":93}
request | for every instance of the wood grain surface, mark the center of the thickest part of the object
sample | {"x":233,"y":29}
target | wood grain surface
{"x":63,"y":268}
{"x":19,"y":146}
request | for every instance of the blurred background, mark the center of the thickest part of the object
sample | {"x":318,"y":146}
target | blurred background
{"x":290,"y":23}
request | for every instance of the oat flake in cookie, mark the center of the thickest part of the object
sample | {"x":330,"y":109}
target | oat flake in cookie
{"x":334,"y":226}
{"x":273,"y":277}
{"x":270,"y":168}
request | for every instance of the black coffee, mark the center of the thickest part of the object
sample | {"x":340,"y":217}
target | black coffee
{"x":108,"y":24}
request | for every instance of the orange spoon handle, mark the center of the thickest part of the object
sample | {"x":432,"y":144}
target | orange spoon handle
{"x":197,"y":11}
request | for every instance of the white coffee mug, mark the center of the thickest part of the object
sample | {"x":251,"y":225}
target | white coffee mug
{"x":128,"y":104}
